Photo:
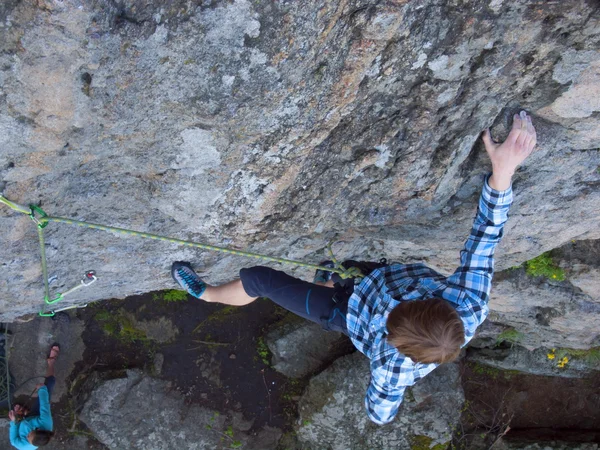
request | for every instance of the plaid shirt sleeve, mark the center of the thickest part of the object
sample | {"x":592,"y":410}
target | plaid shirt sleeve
{"x":382,"y":401}
{"x":474,"y":276}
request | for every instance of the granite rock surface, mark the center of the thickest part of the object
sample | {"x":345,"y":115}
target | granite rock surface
{"x":140,"y":412}
{"x":334,"y":401}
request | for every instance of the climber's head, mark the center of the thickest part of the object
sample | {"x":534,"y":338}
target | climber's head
{"x":39,"y":438}
{"x":427,"y":331}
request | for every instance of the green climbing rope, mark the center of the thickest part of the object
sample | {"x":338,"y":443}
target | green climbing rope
{"x":5,"y":381}
{"x":42,"y":219}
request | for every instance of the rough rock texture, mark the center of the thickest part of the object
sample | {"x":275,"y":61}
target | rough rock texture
{"x":334,"y":401}
{"x":280,"y":125}
{"x":534,"y":362}
{"x":139,"y":412}
{"x":301,"y":348}
{"x":550,"y":313}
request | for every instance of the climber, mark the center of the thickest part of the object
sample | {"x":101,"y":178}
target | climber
{"x":406,"y":318}
{"x":32,"y":429}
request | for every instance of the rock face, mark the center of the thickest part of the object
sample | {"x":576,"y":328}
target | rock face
{"x":139,"y":412}
{"x":277,"y":126}
{"x":302,"y":348}
{"x":332,"y":413}
{"x":552,"y":313}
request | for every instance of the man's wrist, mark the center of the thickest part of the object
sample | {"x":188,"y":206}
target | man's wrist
{"x":500,"y":180}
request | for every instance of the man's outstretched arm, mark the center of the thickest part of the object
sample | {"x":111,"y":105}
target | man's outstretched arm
{"x":506,"y":157}
{"x":477,"y":265}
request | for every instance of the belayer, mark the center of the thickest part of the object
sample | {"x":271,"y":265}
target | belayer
{"x":406,"y":318}
{"x":32,"y":429}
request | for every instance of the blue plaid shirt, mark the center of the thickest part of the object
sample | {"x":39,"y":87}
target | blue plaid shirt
{"x":467,"y":290}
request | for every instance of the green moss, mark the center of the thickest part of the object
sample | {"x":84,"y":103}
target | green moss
{"x":128,"y":332}
{"x":419,"y":442}
{"x":119,"y":325}
{"x":170,"y":295}
{"x":102,"y":316}
{"x":482,"y":369}
{"x":217,"y":317}
{"x":110,"y":328}
{"x":292,"y":389}
{"x":509,"y":335}
{"x":263,"y":351}
{"x":544,"y":266}
{"x":492,"y":372}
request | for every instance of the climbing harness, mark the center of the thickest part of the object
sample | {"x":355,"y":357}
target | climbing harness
{"x":41,"y":219}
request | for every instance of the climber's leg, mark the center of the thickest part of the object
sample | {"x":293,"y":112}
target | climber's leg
{"x":313,"y":302}
{"x":231,"y":293}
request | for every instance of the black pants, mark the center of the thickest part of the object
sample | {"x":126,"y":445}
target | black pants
{"x":311,"y":301}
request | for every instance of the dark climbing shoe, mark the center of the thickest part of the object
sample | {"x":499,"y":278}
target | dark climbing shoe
{"x":321,"y":275}
{"x":185,"y":276}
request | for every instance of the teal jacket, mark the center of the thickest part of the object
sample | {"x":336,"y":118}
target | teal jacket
{"x":20,"y":430}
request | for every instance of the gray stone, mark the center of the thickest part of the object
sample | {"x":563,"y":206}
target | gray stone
{"x":301,"y":348}
{"x":159,"y":360}
{"x":139,"y":412}
{"x":332,"y":412}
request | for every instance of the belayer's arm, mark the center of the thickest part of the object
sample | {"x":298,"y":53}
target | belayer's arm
{"x":45,"y":420}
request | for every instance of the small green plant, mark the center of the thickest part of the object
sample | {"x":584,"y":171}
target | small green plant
{"x":544,"y":266}
{"x":263,"y":351}
{"x":511,"y":336}
{"x":236,"y":444}
{"x":590,"y":357}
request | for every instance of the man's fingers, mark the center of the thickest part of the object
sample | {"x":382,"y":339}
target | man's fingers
{"x":523,"y":117}
{"x":528,"y":144}
{"x":516,"y":131}
{"x":530,"y":128}
{"x":516,"y":122}
{"x":488,"y":141}
{"x":523,"y":137}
